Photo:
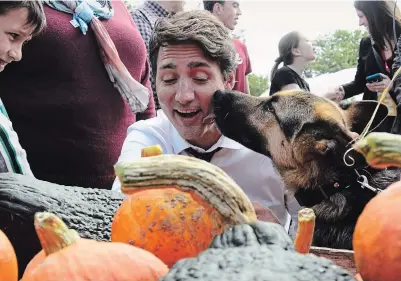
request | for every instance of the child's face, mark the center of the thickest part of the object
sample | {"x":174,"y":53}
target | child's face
{"x":14,"y":32}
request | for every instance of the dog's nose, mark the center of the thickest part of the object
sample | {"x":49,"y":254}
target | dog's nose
{"x":218,"y":96}
{"x":220,"y":102}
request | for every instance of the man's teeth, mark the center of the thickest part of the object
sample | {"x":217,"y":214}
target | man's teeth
{"x":187,"y":111}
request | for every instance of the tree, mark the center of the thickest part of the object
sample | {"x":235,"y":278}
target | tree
{"x":258,"y":84}
{"x":336,"y":51}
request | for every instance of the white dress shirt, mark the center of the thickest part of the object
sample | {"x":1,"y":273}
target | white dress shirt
{"x":252,"y":171}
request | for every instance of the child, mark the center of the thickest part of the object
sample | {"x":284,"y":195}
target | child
{"x":19,"y":22}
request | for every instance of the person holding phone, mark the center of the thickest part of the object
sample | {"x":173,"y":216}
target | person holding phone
{"x":376,"y":55}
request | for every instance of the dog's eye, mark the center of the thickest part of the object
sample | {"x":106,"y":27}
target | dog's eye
{"x":268,"y":106}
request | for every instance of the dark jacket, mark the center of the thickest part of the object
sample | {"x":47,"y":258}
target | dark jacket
{"x":396,"y":92}
{"x":367,"y":65}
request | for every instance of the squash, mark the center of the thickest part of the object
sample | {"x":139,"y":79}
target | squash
{"x":66,"y":256}
{"x":255,"y":251}
{"x":381,"y":150}
{"x":377,"y":237}
{"x":177,"y":204}
{"x":87,"y":210}
{"x":8,"y":260}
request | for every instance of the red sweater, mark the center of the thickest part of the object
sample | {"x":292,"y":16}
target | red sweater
{"x":70,"y":119}
{"x":244,"y":68}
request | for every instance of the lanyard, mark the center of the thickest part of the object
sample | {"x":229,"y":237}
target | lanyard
{"x":385,"y":62}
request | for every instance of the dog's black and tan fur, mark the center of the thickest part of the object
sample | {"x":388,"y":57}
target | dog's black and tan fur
{"x":306,"y":137}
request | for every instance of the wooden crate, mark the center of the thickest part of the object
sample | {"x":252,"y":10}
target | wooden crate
{"x":343,"y":258}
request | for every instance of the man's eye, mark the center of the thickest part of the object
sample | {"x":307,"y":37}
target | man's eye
{"x":14,"y":35}
{"x":200,"y":79}
{"x":169,"y":81}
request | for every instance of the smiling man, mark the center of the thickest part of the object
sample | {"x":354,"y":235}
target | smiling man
{"x":192,"y":56}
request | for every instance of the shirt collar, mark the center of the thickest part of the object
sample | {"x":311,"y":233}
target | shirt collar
{"x":179,"y":144}
{"x":156,"y":9}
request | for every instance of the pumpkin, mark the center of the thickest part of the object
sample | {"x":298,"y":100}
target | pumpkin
{"x":377,"y":237}
{"x":8,"y":260}
{"x":176,"y":205}
{"x":66,"y":256}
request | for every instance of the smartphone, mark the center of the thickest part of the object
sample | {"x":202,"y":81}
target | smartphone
{"x":374,"y":78}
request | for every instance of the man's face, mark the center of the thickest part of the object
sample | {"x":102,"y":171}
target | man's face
{"x":177,"y":6}
{"x":185,"y":83}
{"x":228,"y":13}
{"x":13,"y":34}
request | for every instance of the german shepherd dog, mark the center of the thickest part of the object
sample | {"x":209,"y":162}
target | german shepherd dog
{"x":308,"y":139}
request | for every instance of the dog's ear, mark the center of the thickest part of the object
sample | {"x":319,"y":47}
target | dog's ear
{"x":359,"y":113}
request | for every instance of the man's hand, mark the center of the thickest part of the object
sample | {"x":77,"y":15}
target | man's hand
{"x":380,"y":86}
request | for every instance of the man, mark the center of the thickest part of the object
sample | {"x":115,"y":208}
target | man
{"x":228,"y":13}
{"x":198,"y":60}
{"x":145,"y":18}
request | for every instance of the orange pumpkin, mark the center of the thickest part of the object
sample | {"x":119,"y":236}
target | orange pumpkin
{"x":176,"y":205}
{"x":150,"y":217}
{"x":8,"y":260}
{"x":65,"y":256}
{"x":377,"y":237}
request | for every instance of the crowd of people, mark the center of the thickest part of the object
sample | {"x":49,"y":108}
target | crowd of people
{"x":96,"y":83}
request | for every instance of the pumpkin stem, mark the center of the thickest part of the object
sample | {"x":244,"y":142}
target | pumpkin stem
{"x":306,"y":227}
{"x":151,"y":151}
{"x":53,"y":233}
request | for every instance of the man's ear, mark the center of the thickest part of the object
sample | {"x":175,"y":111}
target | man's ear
{"x":359,"y":113}
{"x":217,"y":9}
{"x":229,"y":81}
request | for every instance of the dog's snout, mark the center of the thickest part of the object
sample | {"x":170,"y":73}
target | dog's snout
{"x":219,"y":101}
{"x":218,"y":98}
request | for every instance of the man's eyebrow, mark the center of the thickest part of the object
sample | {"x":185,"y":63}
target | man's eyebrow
{"x":196,"y":64}
{"x":168,"y":66}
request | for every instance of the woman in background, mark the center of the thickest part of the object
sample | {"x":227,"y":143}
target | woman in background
{"x":19,"y":22}
{"x":295,"y":51}
{"x":62,"y":97}
{"x":376,"y":55}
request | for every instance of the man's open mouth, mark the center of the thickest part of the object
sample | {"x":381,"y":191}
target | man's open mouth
{"x":187,"y":113}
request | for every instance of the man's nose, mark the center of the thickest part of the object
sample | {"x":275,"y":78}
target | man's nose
{"x":185,"y":92}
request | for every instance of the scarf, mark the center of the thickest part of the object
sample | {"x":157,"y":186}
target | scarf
{"x":87,"y":13}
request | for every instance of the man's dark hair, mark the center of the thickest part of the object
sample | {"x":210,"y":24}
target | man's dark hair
{"x":36,"y":14}
{"x":195,"y":27}
{"x":209,"y":5}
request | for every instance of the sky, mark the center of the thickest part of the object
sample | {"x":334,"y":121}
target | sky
{"x":265,"y":22}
